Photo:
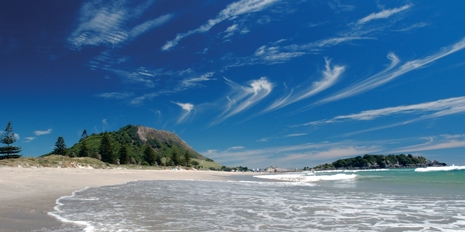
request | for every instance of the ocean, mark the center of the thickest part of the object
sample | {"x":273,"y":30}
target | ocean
{"x":431,"y":199}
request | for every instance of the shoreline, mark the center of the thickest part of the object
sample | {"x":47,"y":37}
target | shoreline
{"x":27,"y":195}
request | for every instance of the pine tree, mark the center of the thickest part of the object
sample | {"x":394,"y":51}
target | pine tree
{"x":123,"y":154}
{"x":149,"y":155}
{"x":60,"y":147}
{"x":187,"y":158}
{"x":9,"y":138}
{"x":84,"y":135}
{"x":106,"y":150}
{"x":84,"y":150}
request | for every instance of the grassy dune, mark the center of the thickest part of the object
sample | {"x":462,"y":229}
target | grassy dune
{"x":58,"y":161}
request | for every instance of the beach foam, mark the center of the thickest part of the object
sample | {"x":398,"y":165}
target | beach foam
{"x":255,"y":206}
{"x":307,"y":178}
{"x":436,"y":169}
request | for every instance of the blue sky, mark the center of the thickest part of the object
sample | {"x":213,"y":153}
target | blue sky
{"x":246,"y":82}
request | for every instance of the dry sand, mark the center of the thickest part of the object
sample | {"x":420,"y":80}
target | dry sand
{"x":28,"y":194}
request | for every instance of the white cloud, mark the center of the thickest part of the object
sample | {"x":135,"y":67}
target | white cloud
{"x":330,"y":77}
{"x":28,"y":139}
{"x":191,"y":82}
{"x":244,"y":97}
{"x":140,"y":76}
{"x":436,"y":143}
{"x":148,"y":25}
{"x":330,"y":42}
{"x":393,"y":72}
{"x":235,"y":148}
{"x":231,"y":11}
{"x":412,"y":27}
{"x":435,"y":109}
{"x":116,"y":95}
{"x":296,"y":135}
{"x":108,"y":24}
{"x":383,"y":14}
{"x":274,"y":53}
{"x":39,"y":132}
{"x":187,"y":108}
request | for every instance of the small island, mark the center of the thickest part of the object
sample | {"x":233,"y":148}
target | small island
{"x":379,"y":161}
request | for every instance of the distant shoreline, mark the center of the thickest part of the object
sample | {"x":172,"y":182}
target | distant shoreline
{"x":28,"y":194}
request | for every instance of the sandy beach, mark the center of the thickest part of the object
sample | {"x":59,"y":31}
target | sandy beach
{"x":28,"y":194}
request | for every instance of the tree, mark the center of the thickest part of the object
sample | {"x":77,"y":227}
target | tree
{"x":84,"y":135}
{"x":106,"y":150}
{"x":60,"y":147}
{"x":123,"y":154}
{"x":187,"y":158}
{"x":8,"y":138}
{"x":174,"y":158}
{"x":149,"y":155}
{"x":84,"y":150}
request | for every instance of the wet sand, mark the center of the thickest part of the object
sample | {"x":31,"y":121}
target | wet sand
{"x":28,"y":194}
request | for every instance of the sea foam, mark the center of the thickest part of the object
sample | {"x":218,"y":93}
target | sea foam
{"x":253,"y":206}
{"x":306,"y":178}
{"x":436,"y":169}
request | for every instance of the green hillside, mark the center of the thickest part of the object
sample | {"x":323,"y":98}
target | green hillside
{"x":136,"y":139}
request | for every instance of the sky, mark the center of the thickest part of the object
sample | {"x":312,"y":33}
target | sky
{"x":288,"y":83}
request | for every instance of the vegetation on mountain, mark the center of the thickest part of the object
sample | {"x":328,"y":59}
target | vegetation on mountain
{"x":379,"y":161}
{"x":106,"y":150}
{"x":137,"y":145}
{"x":8,"y":137}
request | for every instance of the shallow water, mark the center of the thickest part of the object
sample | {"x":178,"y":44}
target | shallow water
{"x":399,"y":200}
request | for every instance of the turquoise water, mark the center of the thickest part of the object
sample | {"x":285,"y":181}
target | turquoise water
{"x":385,"y":200}
{"x":407,"y":181}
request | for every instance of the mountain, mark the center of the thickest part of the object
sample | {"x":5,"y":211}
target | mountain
{"x":136,"y":138}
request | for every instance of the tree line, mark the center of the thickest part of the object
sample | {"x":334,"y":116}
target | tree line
{"x":110,"y":153}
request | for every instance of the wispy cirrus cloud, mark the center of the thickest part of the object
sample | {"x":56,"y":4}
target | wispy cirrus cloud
{"x":243,"y":97}
{"x":187,"y":108}
{"x":296,"y":135}
{"x":232,"y":30}
{"x":281,"y":137}
{"x":436,"y":143}
{"x":412,"y":27}
{"x":116,"y":95}
{"x":148,"y":96}
{"x":383,"y":14}
{"x":232,"y":11}
{"x":277,"y":52}
{"x":329,"y":77}
{"x":392,"y":72}
{"x":110,"y":24}
{"x":235,"y":148}
{"x":195,"y":81}
{"x":426,"y":110}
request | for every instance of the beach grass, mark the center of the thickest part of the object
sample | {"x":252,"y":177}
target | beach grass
{"x":58,"y":161}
